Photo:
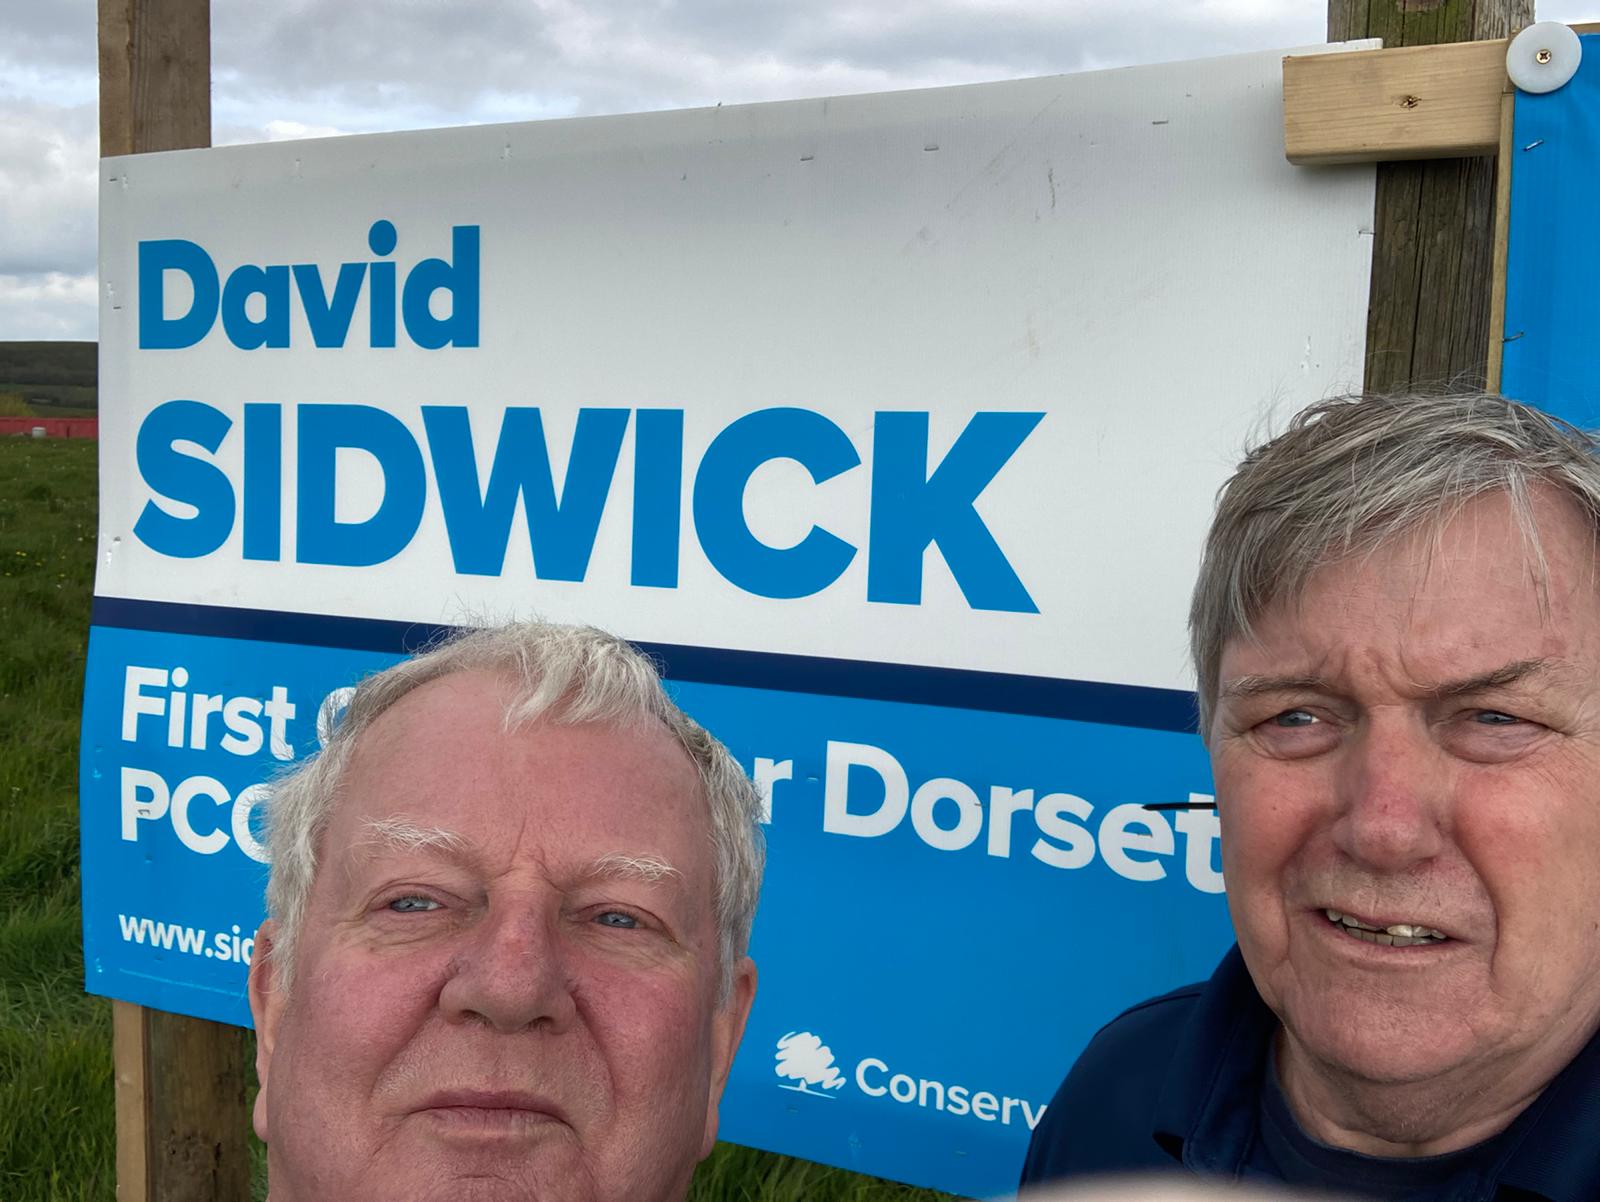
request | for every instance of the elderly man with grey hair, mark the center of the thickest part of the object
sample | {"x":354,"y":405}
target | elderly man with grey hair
{"x":509,"y":908}
{"x":1396,"y":633}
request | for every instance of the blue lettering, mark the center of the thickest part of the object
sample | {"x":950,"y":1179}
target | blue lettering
{"x":319,"y":536}
{"x":156,"y":258}
{"x":382,"y":239}
{"x":272,"y":285}
{"x":460,"y":279}
{"x":811,"y":440}
{"x":329,"y":317}
{"x":911,"y":509}
{"x":478,"y":519}
{"x":184,"y":478}
{"x":263,"y":481}
{"x":329,"y":314}
{"x":657,"y":496}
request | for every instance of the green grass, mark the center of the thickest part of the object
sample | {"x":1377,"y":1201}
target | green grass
{"x":57,"y":1128}
{"x":56,"y":400}
{"x":56,"y":1122}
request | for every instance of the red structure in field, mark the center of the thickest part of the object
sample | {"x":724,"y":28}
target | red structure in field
{"x":53,"y":427}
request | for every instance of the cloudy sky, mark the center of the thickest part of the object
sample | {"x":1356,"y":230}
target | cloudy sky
{"x":310,"y":68}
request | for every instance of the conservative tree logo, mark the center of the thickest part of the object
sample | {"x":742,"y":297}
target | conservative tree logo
{"x":804,"y":1058}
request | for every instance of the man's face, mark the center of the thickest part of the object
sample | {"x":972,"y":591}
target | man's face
{"x":506,"y":980}
{"x":1418,"y":743}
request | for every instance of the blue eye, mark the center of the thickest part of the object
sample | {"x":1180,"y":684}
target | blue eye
{"x":1292,"y":718}
{"x":1494,"y":718}
{"x":413,"y":905}
{"x":615,"y":918}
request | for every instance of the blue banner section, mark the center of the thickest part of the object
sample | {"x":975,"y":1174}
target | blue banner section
{"x":956,"y":899}
{"x":1001,"y":692}
{"x":180,"y":734}
{"x":1552,"y":301}
{"x":923,"y":990}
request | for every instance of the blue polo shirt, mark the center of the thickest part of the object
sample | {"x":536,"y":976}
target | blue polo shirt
{"x":1181,"y":1082}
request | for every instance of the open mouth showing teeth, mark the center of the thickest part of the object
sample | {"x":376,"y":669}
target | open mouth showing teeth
{"x":1399,"y":934}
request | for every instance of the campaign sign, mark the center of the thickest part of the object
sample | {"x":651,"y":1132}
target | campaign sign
{"x":1552,"y":261}
{"x":889,"y":424}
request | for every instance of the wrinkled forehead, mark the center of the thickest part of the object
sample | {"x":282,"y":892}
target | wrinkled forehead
{"x":1520,"y":564}
{"x":444,"y":756}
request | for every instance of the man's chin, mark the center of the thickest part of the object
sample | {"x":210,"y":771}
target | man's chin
{"x":1380,"y":1050}
{"x":430,"y":1170}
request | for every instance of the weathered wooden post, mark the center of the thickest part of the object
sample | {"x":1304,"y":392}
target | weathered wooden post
{"x":1434,"y":238}
{"x":182,"y":1119}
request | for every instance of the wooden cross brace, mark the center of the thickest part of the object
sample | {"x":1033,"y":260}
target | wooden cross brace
{"x":1410,"y":102}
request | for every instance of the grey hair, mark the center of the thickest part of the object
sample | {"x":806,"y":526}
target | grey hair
{"x":1351,"y":473}
{"x":565,"y":674}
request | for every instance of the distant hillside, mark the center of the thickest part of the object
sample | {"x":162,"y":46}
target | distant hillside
{"x":51,"y":376}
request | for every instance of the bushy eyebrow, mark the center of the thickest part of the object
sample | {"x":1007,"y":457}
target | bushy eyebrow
{"x":623,"y":866}
{"x":1257,"y":686}
{"x":1513,"y":673}
{"x":401,"y":834}
{"x":1516,"y":672}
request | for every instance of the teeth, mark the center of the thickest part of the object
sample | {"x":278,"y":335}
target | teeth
{"x":1399,"y":934}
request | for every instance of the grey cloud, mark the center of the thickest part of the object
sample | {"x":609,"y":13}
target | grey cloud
{"x":472,"y":58}
{"x":47,"y":187}
{"x":54,"y":35}
{"x":49,"y":305}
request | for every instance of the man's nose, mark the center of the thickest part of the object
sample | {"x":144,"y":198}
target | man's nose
{"x":1392,"y":793}
{"x":512,"y":973}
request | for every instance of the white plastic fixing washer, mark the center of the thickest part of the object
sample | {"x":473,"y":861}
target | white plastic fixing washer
{"x":1543,"y":57}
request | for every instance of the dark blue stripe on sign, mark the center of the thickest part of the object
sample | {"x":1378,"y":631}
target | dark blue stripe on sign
{"x":1039,"y":696}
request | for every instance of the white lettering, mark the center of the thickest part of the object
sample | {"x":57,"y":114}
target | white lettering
{"x":958,"y":1100}
{"x":932,"y":1094}
{"x":836,"y":816}
{"x":1079,"y":849}
{"x":205,"y":704}
{"x":1201,"y":830}
{"x":242,"y":717}
{"x":768,"y":773}
{"x":156,"y":692}
{"x":279,"y":710}
{"x":1003,"y":804}
{"x":134,"y":701}
{"x":243,"y":808}
{"x":872,"y":1091}
{"x":969,"y":819}
{"x":175,"y":715}
{"x":198,"y":786}
{"x":1118,"y":837}
{"x":136,"y":809}
{"x":331,"y":710}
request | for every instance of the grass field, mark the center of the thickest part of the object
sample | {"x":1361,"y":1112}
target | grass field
{"x":57,"y":1135}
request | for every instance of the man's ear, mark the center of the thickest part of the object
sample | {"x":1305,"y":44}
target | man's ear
{"x":266,"y":1007}
{"x":727,"y":1028}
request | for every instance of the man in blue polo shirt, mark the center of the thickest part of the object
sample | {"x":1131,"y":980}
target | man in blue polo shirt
{"x":1396,"y":633}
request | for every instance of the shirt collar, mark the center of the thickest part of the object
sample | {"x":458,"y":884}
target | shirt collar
{"x":1558,"y":1155}
{"x":1205,"y":1115}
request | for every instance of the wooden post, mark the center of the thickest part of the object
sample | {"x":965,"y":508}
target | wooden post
{"x":155,"y":75}
{"x":182,"y":1119}
{"x":1433,"y":248}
